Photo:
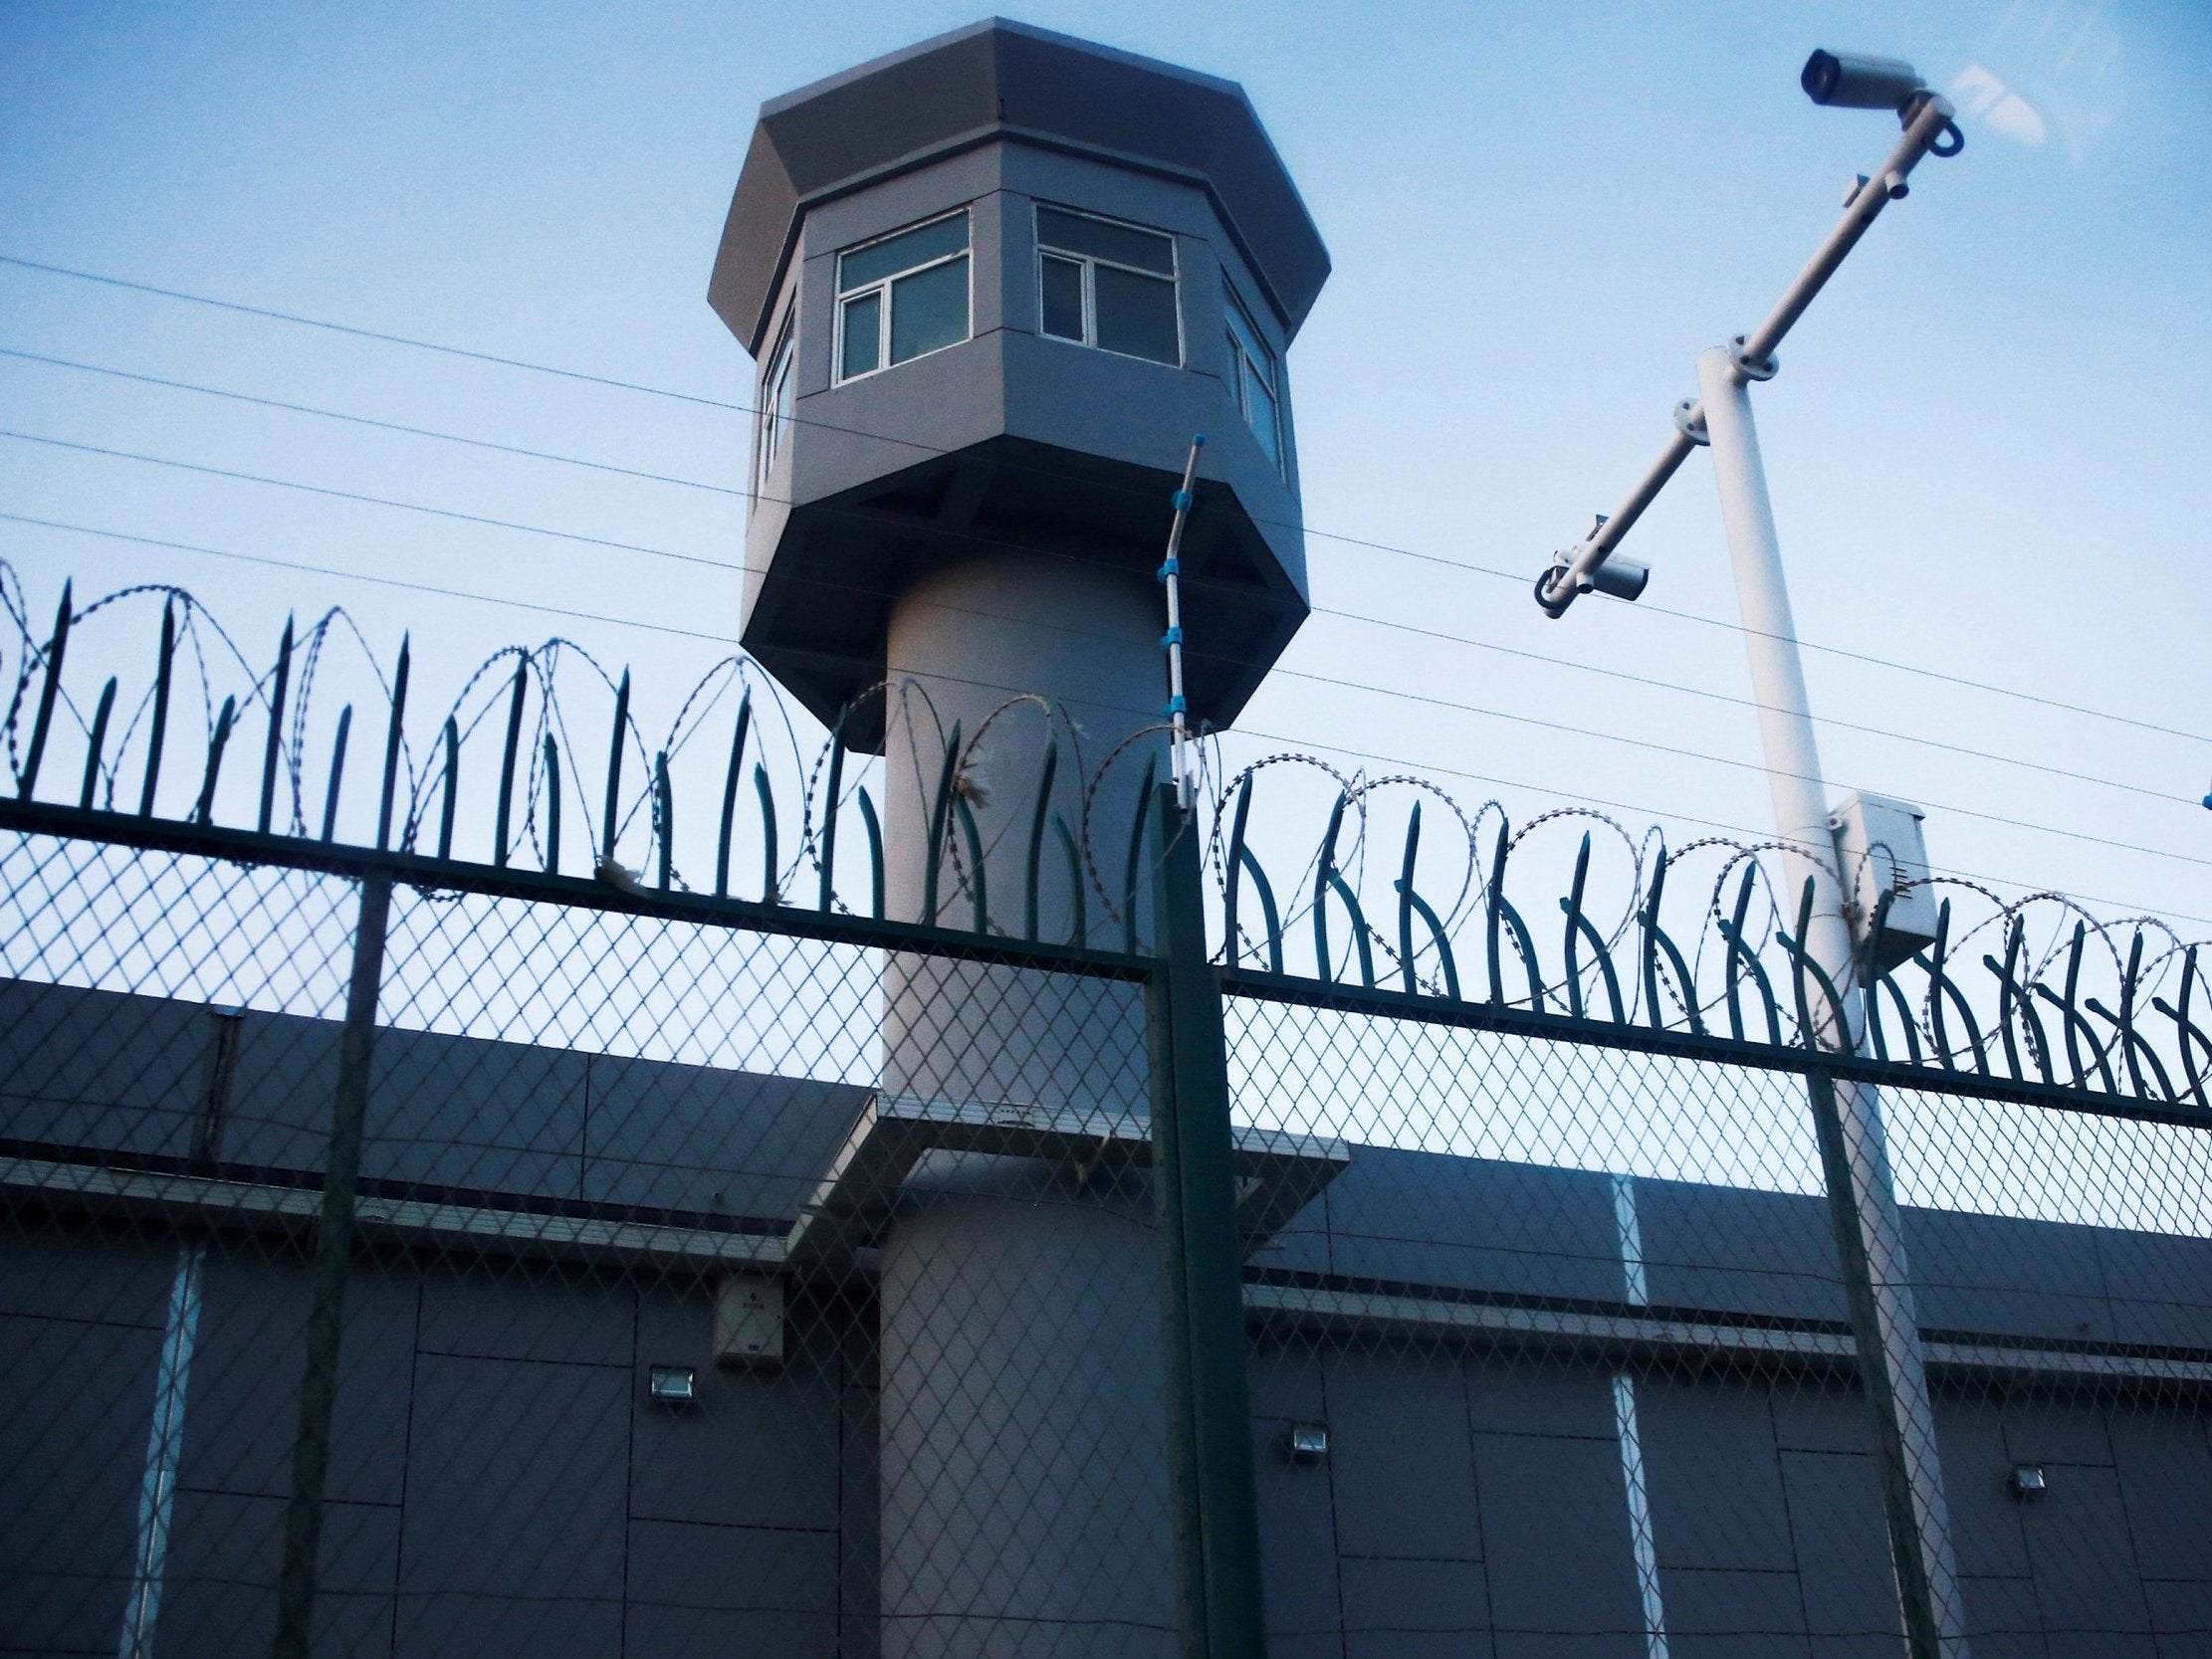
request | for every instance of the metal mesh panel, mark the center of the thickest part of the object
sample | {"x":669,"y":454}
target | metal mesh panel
{"x":710,"y":1289}
{"x":2064,"y":1268}
{"x":1564,"y":1358}
{"x":1571,"y":1321}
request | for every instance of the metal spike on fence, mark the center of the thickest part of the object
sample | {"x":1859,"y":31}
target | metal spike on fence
{"x":552,"y":807}
{"x":95,"y":743}
{"x":770,"y":891}
{"x":1328,"y":879}
{"x":974,"y":841}
{"x":1497,"y":909}
{"x":48,"y":687}
{"x":1743,"y":960}
{"x":203,"y":810}
{"x":1242,"y":862}
{"x":338,"y":772}
{"x":869,"y":823}
{"x":272,"y":747}
{"x":395,"y":736}
{"x":1079,"y":926}
{"x":730,"y":794}
{"x":452,"y":788}
{"x":664,"y":803}
{"x":164,"y":667}
{"x":609,"y":818}
{"x":1033,"y":867}
{"x":1410,"y":902}
{"x":833,"y":786}
{"x":1655,"y":943}
{"x":1405,"y":886}
{"x":507,"y":756}
{"x":941,"y":814}
{"x":1580,"y":924}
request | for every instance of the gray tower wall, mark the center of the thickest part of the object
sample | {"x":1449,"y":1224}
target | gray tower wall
{"x":1019,"y":1302}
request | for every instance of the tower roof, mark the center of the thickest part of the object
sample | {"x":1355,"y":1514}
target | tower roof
{"x":1000,"y":80}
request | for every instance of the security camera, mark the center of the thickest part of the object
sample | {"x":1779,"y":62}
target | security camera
{"x":1853,"y":81}
{"x":1621,"y":578}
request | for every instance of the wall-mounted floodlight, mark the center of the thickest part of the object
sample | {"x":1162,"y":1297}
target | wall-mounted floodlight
{"x":1838,"y":80}
{"x":674,"y":1385}
{"x":1307,"y":1442}
{"x":2026,"y":1482}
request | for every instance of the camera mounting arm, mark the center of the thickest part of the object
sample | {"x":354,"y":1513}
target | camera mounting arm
{"x":1930,"y":128}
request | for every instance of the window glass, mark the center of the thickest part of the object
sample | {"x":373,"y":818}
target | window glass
{"x":1260,"y":411}
{"x":1123,"y":244}
{"x":902,"y":251}
{"x":1134,"y":314}
{"x":929,"y":309}
{"x":1252,"y":379}
{"x":1064,"y":298}
{"x":862,"y":325}
{"x":903,"y":296}
{"x":777,"y":388}
{"x":1106,"y":285}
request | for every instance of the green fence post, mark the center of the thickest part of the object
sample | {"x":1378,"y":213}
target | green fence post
{"x":1194,"y":1186}
{"x":1864,"y":1213}
{"x":333,"y":1246}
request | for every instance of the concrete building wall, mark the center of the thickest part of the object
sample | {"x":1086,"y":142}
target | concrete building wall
{"x":501,"y":1483}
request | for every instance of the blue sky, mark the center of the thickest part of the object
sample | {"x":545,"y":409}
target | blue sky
{"x":1987,"y":444}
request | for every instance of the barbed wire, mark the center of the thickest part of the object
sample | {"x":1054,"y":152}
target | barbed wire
{"x":950,"y":779}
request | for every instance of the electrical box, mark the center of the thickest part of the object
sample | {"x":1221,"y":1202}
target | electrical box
{"x":1878,"y":851}
{"x":748,"y":1321}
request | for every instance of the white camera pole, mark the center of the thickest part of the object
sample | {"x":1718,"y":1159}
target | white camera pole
{"x":1854,"y":1153}
{"x":1847,"y":1116}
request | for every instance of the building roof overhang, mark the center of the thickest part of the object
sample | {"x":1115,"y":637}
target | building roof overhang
{"x":1003,"y":81}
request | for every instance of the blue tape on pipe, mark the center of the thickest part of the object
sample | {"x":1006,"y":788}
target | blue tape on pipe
{"x":1171,"y":568}
{"x":1176,"y":706}
{"x":1174,"y":635}
{"x":1180,"y":501}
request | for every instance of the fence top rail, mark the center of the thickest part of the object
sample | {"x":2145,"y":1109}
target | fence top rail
{"x":430,"y":874}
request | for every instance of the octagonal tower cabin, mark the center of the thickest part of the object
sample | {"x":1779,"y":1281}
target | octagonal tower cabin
{"x":994,"y":284}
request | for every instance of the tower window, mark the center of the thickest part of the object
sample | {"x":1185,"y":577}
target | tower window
{"x":1257,"y":387}
{"x":778,"y":390}
{"x":1107,"y":284}
{"x":902,"y":296}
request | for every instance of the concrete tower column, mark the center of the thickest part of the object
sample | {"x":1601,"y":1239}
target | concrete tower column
{"x":1024,"y":1479}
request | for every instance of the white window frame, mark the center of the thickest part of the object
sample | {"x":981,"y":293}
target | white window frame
{"x":1090,"y":264}
{"x":881,"y":288}
{"x":1271,"y":372}
{"x":770,"y":434}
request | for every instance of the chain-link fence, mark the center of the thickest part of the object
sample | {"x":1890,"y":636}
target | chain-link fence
{"x":402,"y":1255}
{"x":1567,"y":1360}
{"x":704,"y":1288}
{"x":658,"y":1286}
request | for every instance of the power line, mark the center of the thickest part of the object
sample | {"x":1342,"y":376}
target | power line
{"x":1440,"y":635}
{"x":269,"y":314}
{"x":1295,"y":742}
{"x":1596,"y":732}
{"x":1519,"y":579}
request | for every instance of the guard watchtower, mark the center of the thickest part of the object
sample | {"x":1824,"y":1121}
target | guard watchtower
{"x":993,"y":283}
